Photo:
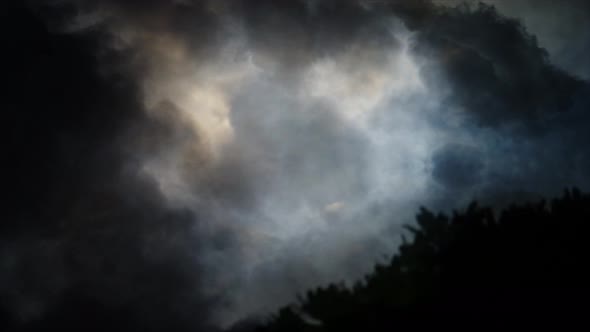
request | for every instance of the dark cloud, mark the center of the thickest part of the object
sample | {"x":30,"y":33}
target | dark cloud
{"x":170,"y":163}
{"x":87,"y":241}
{"x":516,"y":104}
{"x":561,"y":27}
{"x":458,"y":166}
{"x":498,"y":71}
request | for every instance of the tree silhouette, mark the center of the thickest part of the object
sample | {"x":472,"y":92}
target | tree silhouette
{"x":526,"y":268}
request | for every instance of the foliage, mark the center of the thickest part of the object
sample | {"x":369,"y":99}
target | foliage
{"x":472,"y":270}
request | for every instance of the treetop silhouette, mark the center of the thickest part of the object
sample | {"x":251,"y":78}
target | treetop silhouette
{"x":525,"y":267}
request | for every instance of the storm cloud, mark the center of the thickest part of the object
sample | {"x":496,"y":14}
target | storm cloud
{"x":218,"y":157}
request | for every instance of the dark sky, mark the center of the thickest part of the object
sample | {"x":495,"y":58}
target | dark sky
{"x":186,"y":164}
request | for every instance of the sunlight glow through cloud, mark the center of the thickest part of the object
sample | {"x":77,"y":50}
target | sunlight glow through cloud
{"x":309,"y":189}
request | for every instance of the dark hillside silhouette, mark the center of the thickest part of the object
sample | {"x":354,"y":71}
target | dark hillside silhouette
{"x":525,"y":268}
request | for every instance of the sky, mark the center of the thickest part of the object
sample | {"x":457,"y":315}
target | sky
{"x":202,"y":162}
